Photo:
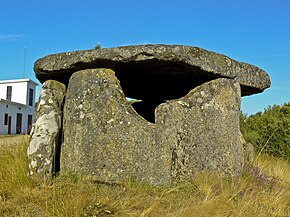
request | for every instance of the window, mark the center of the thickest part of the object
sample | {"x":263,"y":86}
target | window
{"x":29,"y":123}
{"x":9,"y":124}
{"x":18,"y":123}
{"x":9,"y":93}
{"x":5,"y":119}
{"x":30,"y":97}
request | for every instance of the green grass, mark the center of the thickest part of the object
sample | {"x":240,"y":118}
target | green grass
{"x":262,"y":190}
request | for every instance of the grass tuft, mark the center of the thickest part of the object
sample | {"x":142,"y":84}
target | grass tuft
{"x":263,"y":189}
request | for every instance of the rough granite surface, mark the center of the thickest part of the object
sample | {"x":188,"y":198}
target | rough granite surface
{"x":184,"y":119}
{"x":105,"y":138}
{"x":249,"y":153}
{"x":171,"y":70}
{"x":46,"y":131}
{"x":203,"y":128}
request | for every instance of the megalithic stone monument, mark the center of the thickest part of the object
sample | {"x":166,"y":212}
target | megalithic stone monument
{"x":187,"y":121}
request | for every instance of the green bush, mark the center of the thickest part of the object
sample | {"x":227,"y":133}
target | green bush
{"x":269,"y":131}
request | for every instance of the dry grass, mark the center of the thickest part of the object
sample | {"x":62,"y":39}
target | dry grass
{"x":13,"y":139}
{"x":262,"y":190}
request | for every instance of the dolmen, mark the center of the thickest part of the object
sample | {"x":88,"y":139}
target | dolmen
{"x":185,"y":119}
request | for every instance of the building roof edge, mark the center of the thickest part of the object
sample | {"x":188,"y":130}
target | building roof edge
{"x":19,"y":80}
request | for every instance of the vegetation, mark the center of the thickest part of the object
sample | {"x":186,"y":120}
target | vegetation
{"x":261,"y":190}
{"x":269,"y":131}
{"x":98,"y":46}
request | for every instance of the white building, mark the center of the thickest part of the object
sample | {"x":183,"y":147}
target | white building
{"x":17,"y":101}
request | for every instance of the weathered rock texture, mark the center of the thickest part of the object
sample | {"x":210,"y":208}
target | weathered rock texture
{"x":44,"y":142}
{"x":194,"y":127}
{"x":171,"y":70}
{"x":248,"y":148}
{"x":105,"y":138}
{"x":203,"y":128}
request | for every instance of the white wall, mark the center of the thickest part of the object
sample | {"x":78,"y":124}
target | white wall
{"x":19,"y":91}
{"x":32,"y":86}
{"x":12,"y":111}
{"x":20,"y":94}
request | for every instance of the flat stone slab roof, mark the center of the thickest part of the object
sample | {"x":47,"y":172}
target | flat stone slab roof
{"x":155,"y":70}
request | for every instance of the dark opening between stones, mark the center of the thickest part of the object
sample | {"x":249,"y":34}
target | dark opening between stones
{"x":154,"y":73}
{"x":154,"y":82}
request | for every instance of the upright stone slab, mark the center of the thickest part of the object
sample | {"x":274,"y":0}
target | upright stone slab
{"x":43,"y":149}
{"x":203,"y":128}
{"x":248,"y":148}
{"x":105,"y":138}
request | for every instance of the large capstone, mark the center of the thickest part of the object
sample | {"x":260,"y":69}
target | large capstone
{"x":155,"y":71}
{"x":187,"y":120}
{"x":44,"y":145}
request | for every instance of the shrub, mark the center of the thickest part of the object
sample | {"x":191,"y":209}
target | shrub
{"x":269,"y":131}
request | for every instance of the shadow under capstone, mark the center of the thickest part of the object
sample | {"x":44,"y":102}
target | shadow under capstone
{"x":187,"y":121}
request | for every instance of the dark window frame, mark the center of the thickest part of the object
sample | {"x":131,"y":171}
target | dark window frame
{"x":6,"y":119}
{"x":29,"y":123}
{"x":9,"y":93}
{"x":19,"y":121}
{"x":30,"y":99}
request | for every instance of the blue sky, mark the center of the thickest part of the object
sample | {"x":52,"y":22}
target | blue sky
{"x":252,"y":31}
